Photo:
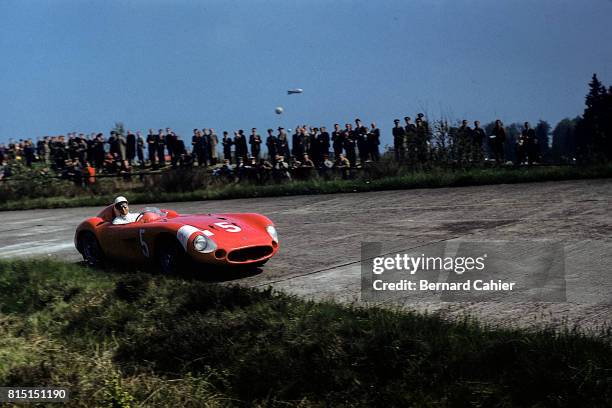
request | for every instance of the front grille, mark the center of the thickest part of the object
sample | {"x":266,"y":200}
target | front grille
{"x":249,"y":254}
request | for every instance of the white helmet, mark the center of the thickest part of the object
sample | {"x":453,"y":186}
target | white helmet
{"x":120,"y":199}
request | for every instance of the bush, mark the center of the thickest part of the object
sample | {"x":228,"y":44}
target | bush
{"x":180,"y":180}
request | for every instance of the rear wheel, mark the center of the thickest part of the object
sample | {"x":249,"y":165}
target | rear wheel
{"x":170,"y":257}
{"x":90,"y":249}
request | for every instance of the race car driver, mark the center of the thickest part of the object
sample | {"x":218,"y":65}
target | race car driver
{"x":122,"y":212}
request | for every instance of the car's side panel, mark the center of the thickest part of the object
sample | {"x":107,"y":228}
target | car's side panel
{"x":121,"y":241}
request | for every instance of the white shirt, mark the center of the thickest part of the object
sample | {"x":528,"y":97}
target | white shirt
{"x":125,"y":219}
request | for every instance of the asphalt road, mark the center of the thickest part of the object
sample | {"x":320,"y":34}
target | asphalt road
{"x":321,"y":239}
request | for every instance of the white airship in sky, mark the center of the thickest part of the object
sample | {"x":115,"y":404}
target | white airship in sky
{"x":295,"y":91}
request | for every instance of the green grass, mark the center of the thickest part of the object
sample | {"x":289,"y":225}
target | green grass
{"x":420,"y":179}
{"x":131,"y":338}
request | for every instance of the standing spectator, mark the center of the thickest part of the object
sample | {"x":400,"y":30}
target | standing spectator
{"x":140,"y":144}
{"x":283,"y":143}
{"x":160,"y":140}
{"x":424,"y":124}
{"x":255,"y":142}
{"x":463,"y":142}
{"x":307,"y":141}
{"x":227,"y":143}
{"x":199,"y":147}
{"x":60,"y":154}
{"x":497,"y":142}
{"x":91,"y":144}
{"x":11,"y":154}
{"x":297,"y":142}
{"x":28,"y":152}
{"x":399,"y":134}
{"x":170,"y":140}
{"x":241,"y":146}
{"x":361,"y":132}
{"x":520,"y":147}
{"x":272,"y":145}
{"x":72,"y":146}
{"x":350,"y":141}
{"x":197,"y":136}
{"x":213,"y":141}
{"x":40,"y":149}
{"x":322,"y":145}
{"x":337,"y":141}
{"x":113,"y":144}
{"x":530,"y":143}
{"x":122,"y":146}
{"x":99,"y":152}
{"x":313,"y":152}
{"x":81,"y":144}
{"x":410,"y":140}
{"x":130,"y":149}
{"x":478,"y":136}
{"x":373,"y":140}
{"x":152,"y":140}
{"x":422,"y":138}
{"x":47,"y":150}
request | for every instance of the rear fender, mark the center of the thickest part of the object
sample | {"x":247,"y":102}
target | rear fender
{"x":89,"y":225}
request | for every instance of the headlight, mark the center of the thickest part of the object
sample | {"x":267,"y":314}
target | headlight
{"x":272,"y":231}
{"x":204,"y":244}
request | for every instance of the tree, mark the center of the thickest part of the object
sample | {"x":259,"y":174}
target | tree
{"x":596,"y":93}
{"x":564,"y":140}
{"x":513,"y":131}
{"x":594,"y":130}
{"x":119,"y":128}
{"x":542,"y":131}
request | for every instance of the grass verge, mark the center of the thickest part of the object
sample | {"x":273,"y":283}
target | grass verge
{"x":125,"y":339}
{"x":421,"y":179}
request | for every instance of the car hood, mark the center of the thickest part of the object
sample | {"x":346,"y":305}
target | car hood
{"x":226,"y":229}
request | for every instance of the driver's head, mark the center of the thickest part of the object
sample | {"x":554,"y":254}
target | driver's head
{"x":121,"y":205}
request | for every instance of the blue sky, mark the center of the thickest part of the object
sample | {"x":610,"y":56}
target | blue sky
{"x":71,"y":65}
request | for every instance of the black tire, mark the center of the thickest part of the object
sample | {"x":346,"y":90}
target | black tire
{"x":91,"y":250}
{"x":170,"y":257}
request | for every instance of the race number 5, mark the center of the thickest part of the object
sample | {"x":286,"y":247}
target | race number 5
{"x":228,"y":227}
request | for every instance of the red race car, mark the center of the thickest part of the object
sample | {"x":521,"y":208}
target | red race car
{"x":170,"y":239}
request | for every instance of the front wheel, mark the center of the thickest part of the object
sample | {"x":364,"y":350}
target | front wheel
{"x":90,"y":249}
{"x":171,"y":257}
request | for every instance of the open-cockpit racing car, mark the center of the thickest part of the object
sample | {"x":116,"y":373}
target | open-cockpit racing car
{"x":169,"y":239}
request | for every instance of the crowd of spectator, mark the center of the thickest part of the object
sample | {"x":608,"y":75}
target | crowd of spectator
{"x":80,"y":157}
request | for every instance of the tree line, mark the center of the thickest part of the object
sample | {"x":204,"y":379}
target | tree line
{"x":587,"y":138}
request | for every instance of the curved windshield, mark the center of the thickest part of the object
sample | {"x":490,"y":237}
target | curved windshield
{"x":155,"y":211}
